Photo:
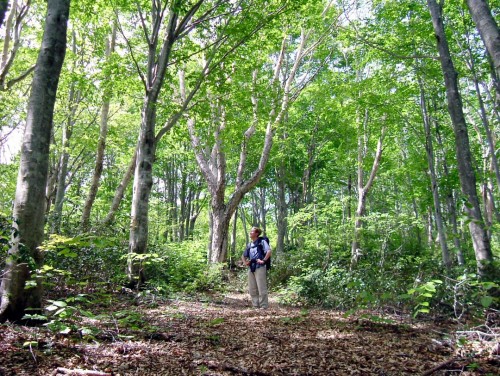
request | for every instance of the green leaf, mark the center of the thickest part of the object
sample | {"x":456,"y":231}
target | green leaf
{"x":486,"y":301}
{"x":60,"y":311}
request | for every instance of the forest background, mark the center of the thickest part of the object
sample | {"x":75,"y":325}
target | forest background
{"x":178,"y":125}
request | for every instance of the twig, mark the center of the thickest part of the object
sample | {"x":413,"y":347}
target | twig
{"x":67,"y":371}
{"x":479,"y":333}
{"x":439,"y":366}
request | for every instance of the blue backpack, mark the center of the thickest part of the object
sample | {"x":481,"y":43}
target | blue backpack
{"x":260,"y":250}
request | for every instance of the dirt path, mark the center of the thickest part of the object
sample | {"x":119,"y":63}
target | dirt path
{"x":226,"y":337}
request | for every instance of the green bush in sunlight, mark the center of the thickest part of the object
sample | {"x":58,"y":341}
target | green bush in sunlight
{"x":184,"y":268}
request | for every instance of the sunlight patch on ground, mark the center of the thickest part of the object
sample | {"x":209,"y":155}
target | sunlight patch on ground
{"x":332,"y":334}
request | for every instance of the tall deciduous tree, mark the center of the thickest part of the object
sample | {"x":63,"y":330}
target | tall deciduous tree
{"x":214,"y":164}
{"x":29,"y":205}
{"x":166,"y":22}
{"x":481,"y":243}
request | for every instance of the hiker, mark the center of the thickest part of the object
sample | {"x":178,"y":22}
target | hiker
{"x":256,"y":256}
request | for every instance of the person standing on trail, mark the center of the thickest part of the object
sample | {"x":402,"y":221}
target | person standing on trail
{"x":255,"y":257}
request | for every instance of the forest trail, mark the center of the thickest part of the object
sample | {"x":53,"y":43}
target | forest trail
{"x":224,"y":336}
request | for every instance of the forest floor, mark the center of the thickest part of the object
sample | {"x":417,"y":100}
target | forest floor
{"x":222,"y":335}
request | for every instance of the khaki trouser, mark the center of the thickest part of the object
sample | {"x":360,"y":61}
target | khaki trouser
{"x":257,"y":287}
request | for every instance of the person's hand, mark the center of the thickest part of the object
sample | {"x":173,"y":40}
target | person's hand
{"x":247,"y":262}
{"x":259,"y":261}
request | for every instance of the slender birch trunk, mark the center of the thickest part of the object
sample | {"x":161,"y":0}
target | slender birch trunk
{"x":29,"y":207}
{"x":482,"y":113}
{"x":480,"y":240}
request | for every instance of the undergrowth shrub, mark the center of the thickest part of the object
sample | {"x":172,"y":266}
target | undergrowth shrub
{"x":84,"y":261}
{"x":5,"y":233}
{"x":392,"y":270}
{"x":184,"y":268}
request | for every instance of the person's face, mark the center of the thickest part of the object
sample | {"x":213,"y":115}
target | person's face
{"x":254,"y":234}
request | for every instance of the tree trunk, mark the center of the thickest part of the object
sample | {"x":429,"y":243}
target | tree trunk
{"x":488,"y":29}
{"x":429,"y":148}
{"x":63,"y":164}
{"x":481,"y":243}
{"x":29,"y":208}
{"x":306,"y":176}
{"x":262,"y":209}
{"x":158,"y":62}
{"x":120,"y":191}
{"x":363,"y":193}
{"x":220,"y":224}
{"x":143,"y":181}
{"x":101,"y":145}
{"x":450,"y":201}
{"x":483,"y":115}
{"x":233,"y":256}
{"x":67,"y":130}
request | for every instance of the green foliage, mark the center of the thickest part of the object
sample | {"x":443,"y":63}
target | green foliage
{"x":83,"y":261}
{"x":64,"y":316}
{"x":8,"y":172}
{"x":5,"y":234}
{"x":367,"y":81}
{"x":423,"y":295}
{"x":183,"y":267}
